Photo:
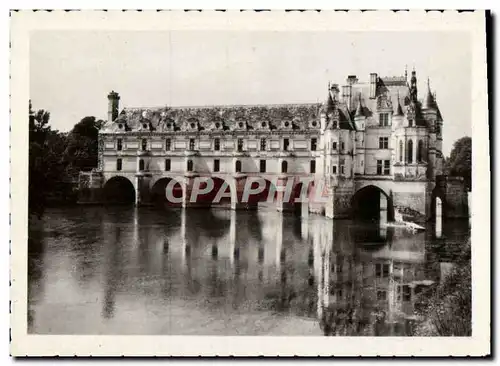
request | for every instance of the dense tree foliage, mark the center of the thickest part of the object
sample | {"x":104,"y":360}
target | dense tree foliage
{"x":460,"y":161}
{"x":46,"y":168}
{"x":55,"y":158}
{"x":81,"y":148}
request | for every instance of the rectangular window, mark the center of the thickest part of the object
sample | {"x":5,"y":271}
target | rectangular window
{"x":381,"y":295}
{"x":216,"y":165}
{"x":144,"y":144}
{"x":119,"y":145}
{"x":406,"y":293}
{"x":385,"y":270}
{"x":240,"y":144}
{"x":387,"y":167}
{"x":119,"y":164}
{"x":384,"y":119}
{"x":342,"y":146}
{"x":334,"y":145}
{"x":334,"y":169}
{"x":217,"y":144}
{"x":262,"y":166}
{"x":383,"y":142}
{"x":286,"y":144}
{"x":313,"y":166}
{"x":341,"y":169}
{"x":167,"y":165}
{"x":168,"y":144}
{"x":382,"y":270}
{"x":191,"y":144}
{"x":379,"y":167}
{"x":263,"y":145}
{"x":314,"y":144}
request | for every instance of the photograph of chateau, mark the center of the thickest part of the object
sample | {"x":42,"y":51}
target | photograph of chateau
{"x":372,"y":144}
{"x":250,"y":183}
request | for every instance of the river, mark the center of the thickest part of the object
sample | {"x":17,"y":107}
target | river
{"x":127,"y":270}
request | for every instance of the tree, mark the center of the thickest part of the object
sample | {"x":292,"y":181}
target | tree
{"x":460,"y":161}
{"x":82,"y":148}
{"x":45,"y":160}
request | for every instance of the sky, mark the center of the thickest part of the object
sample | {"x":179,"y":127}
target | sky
{"x":71,"y":72}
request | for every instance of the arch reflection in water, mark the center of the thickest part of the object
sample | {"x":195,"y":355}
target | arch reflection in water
{"x":328,"y":274}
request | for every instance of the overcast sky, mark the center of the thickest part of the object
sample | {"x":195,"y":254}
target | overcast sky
{"x":72,"y":72}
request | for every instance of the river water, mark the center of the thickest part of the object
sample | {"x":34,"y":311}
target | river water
{"x":127,"y":270}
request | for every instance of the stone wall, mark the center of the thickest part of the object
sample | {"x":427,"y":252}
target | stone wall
{"x":456,"y":198}
{"x":410,"y":198}
{"x":90,"y":187}
{"x":339,"y":205}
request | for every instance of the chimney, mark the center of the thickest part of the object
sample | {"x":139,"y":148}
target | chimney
{"x":346,"y":95}
{"x":335,"y":92}
{"x":373,"y":84}
{"x":113,"y":104}
{"x":352,"y":79}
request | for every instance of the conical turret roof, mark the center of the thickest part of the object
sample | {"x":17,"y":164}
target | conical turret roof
{"x":359,"y":108}
{"x":429,"y":101}
{"x":399,"y":109}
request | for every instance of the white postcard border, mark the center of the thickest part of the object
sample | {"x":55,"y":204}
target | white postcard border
{"x":24,"y":22}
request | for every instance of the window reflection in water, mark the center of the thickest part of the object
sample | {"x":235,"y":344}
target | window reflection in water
{"x":209,"y":267}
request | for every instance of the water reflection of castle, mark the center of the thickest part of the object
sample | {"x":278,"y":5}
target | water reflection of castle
{"x":330,"y":270}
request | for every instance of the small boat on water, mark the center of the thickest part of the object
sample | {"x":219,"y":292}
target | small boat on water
{"x":404,"y":225}
{"x":399,"y":222}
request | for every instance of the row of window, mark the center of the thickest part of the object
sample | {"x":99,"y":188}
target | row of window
{"x":334,"y":170}
{"x":334,"y":145}
{"x":263,"y":144}
{"x":409,"y":151}
{"x":383,"y":120}
{"x":237,"y":168}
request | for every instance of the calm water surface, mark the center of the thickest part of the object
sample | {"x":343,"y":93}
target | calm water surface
{"x":124,"y":270}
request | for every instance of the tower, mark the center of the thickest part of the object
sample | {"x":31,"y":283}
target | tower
{"x":413,"y":86}
{"x":113,"y":104}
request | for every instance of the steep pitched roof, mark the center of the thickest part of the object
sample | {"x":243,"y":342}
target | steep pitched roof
{"x":224,"y":117}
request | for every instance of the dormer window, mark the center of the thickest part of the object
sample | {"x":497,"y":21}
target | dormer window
{"x":144,"y":125}
{"x":384,"y":119}
{"x":120,"y":126}
{"x":263,"y":124}
{"x":192,"y":125}
{"x":240,"y":125}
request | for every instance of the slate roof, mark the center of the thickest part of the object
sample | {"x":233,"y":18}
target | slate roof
{"x":391,"y":93}
{"x":224,"y":118}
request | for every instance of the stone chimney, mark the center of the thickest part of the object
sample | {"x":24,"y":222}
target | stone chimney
{"x":113,"y":105}
{"x":373,"y":85}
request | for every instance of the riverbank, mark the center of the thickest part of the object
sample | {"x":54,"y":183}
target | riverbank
{"x":448,"y":311}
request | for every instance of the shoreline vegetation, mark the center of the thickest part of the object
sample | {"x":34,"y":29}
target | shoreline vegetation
{"x":448,"y":309}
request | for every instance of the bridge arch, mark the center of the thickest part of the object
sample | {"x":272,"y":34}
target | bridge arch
{"x":372,"y":203}
{"x":159,"y":191}
{"x":119,"y":190}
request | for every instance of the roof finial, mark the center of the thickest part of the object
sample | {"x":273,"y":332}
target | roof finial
{"x":406,"y":72}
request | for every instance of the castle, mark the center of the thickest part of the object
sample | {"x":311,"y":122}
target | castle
{"x":375,"y":145}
